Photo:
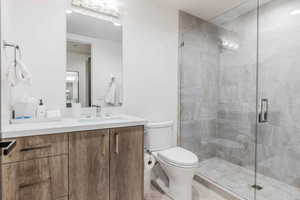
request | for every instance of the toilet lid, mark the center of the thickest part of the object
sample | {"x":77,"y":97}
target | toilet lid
{"x":179,"y":156}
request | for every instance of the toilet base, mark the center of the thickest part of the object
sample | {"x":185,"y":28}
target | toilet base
{"x":160,"y":186}
{"x":181,"y":190}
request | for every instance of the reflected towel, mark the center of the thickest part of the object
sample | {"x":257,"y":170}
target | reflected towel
{"x":111,"y":96}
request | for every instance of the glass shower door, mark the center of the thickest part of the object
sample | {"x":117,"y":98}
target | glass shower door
{"x":218,"y":94}
{"x":278,"y":137}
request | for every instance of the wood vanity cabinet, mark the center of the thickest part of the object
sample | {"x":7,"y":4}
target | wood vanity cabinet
{"x":36,"y":169}
{"x":107,"y":164}
{"x":89,"y":165}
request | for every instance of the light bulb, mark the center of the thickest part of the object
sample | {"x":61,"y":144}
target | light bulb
{"x":69,"y":12}
{"x":295,"y":12}
{"x":116,"y":24}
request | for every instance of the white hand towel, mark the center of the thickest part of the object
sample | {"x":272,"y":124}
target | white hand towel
{"x":110,"y":97}
{"x":24,"y":74}
{"x":18,"y":73}
{"x":11,"y":75}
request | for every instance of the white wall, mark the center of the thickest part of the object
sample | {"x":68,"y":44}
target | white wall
{"x":1,"y":61}
{"x":150,"y":57}
{"x":39,"y":28}
{"x":150,"y":50}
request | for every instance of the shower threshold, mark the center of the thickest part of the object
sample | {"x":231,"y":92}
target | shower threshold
{"x":236,"y":183}
{"x":222,"y":191}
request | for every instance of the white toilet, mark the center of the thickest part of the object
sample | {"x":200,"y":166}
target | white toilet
{"x":178,"y":163}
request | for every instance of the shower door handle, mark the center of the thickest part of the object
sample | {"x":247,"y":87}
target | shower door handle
{"x":264,"y":109}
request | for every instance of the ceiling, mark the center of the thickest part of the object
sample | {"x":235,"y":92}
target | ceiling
{"x":205,"y":9}
{"x":243,"y":8}
{"x":216,"y":11}
{"x":85,"y":25}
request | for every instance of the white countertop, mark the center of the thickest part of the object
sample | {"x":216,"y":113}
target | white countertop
{"x":70,"y":125}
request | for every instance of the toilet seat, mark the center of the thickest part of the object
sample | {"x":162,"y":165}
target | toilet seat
{"x":179,"y":157}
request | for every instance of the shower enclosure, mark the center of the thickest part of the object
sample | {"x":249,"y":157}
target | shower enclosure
{"x":240,"y":98}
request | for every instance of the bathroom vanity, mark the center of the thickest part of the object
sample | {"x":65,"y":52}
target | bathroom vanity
{"x":75,"y":76}
{"x":92,"y":160}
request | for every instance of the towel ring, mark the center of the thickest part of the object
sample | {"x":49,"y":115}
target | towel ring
{"x":16,"y":49}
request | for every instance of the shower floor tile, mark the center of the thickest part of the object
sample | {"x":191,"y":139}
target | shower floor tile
{"x":239,"y":180}
{"x":200,"y":192}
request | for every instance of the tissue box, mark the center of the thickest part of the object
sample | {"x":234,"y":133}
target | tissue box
{"x":53,"y":114}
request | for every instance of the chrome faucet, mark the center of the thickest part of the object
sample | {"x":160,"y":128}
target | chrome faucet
{"x":98,"y":110}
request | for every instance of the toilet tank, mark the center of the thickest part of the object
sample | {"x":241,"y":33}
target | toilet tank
{"x":159,"y":136}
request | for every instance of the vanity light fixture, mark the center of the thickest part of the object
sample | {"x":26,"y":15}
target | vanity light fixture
{"x":107,"y":7}
{"x":295,"y":12}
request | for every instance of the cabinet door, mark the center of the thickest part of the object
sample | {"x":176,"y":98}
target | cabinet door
{"x":89,"y":165}
{"x":127,"y":163}
{"x":44,"y":178}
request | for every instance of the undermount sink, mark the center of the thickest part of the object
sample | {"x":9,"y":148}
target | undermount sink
{"x":101,"y":119}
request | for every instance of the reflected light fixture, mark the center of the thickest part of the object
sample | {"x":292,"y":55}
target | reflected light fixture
{"x":107,"y":7}
{"x":295,"y":12}
{"x":69,"y":12}
{"x":116,"y":24}
{"x":229,"y":44}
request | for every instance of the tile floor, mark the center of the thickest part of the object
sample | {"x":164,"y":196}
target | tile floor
{"x":239,"y":180}
{"x":200,"y":192}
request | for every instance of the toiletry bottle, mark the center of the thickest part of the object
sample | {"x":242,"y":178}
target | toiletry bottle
{"x":41,"y":110}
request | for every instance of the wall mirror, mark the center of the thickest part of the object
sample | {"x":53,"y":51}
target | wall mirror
{"x":94,"y":59}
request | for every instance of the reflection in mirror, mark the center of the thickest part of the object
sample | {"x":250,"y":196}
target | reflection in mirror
{"x":94,"y":51}
{"x":72,"y":88}
{"x":79,"y":60}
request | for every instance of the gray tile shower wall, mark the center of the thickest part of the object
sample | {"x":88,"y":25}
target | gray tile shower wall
{"x":237,"y":89}
{"x":218,"y":90}
{"x":200,"y":59}
{"x":216,"y":114}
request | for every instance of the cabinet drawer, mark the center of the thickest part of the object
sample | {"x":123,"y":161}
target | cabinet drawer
{"x":44,"y":178}
{"x":37,"y":147}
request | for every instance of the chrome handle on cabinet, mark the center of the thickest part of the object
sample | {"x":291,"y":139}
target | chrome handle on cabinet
{"x":117,"y":143}
{"x":7,"y":146}
{"x":36,"y":148}
{"x":33,"y":184}
{"x":264,"y":111}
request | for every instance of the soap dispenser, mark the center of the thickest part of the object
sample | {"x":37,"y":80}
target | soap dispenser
{"x":41,"y":110}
